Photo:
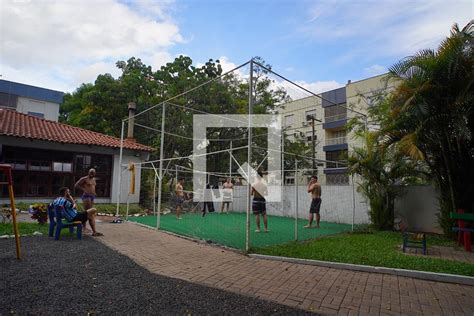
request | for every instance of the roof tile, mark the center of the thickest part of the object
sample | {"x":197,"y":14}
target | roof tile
{"x":17,"y":124}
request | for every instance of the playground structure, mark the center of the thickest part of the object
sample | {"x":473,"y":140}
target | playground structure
{"x":7,"y":171}
{"x":249,"y":147}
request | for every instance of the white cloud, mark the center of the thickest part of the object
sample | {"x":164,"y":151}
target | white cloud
{"x":68,"y":41}
{"x":384,"y":28}
{"x":320,"y":86}
{"x":293,"y":91}
{"x":374,"y":70}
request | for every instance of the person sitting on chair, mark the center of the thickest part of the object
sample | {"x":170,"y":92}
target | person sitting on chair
{"x":70,"y":213}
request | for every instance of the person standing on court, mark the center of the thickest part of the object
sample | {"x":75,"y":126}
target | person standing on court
{"x":315,"y":189}
{"x":259,"y":206}
{"x":87,"y":184}
{"x":227,"y":195}
{"x":179,"y":197}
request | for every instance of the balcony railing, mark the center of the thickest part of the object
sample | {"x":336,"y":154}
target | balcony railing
{"x":337,"y":164}
{"x":336,"y":141}
{"x":334,"y":118}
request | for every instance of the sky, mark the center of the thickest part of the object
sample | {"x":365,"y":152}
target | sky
{"x":319,"y":44}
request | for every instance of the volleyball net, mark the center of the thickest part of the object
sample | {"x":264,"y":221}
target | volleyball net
{"x":230,"y":148}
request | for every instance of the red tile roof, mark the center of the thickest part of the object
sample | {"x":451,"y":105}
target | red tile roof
{"x":17,"y":124}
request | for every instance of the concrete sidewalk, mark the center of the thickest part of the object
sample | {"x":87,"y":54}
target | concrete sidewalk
{"x":318,"y":289}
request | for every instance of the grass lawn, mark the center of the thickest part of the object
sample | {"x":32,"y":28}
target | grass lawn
{"x":24,"y":228}
{"x":373,"y":249}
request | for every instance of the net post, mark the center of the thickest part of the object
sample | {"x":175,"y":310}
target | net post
{"x":296,"y":203}
{"x":353,"y":201}
{"x":160,"y":172}
{"x":154,"y":193}
{"x":119,"y":182}
{"x":249,"y":159}
{"x":230,"y":161}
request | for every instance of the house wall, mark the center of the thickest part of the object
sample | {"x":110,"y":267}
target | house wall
{"x":48,"y":109}
{"x":128,"y":156}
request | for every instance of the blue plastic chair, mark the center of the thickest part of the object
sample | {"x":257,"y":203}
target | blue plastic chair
{"x":57,"y":223}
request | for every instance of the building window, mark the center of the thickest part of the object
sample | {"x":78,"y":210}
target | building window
{"x":289,"y":120}
{"x":335,"y":113}
{"x":309,"y":114}
{"x":289,"y":180}
{"x":38,"y":185}
{"x":17,"y":164}
{"x":8,"y":100}
{"x":36,"y":114}
{"x":50,"y":170}
{"x":62,"y":167}
{"x":39,"y":165}
{"x":309,"y":136}
{"x":335,"y":138}
{"x":338,"y":159}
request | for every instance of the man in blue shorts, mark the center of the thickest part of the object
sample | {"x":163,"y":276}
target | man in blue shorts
{"x":87,"y":184}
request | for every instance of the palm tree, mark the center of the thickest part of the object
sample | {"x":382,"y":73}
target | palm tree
{"x":432,"y":116}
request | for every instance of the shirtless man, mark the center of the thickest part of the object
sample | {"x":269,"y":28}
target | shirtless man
{"x":259,"y":207}
{"x":179,"y":197}
{"x":315,"y":189}
{"x":87,"y":185}
{"x":227,"y":198}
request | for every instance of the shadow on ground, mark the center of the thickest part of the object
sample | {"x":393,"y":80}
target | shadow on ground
{"x":80,"y":277}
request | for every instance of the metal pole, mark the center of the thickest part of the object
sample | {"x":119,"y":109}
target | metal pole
{"x":296,"y":203}
{"x":154,"y":194}
{"x":282,"y":204}
{"x":230,"y":176}
{"x":249,"y":159}
{"x":119,"y":185}
{"x":160,"y":173}
{"x":314,"y":145}
{"x":230,"y":160}
{"x":175,"y":174}
{"x":353,"y":202}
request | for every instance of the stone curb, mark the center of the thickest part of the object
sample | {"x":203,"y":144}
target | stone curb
{"x":431,"y":276}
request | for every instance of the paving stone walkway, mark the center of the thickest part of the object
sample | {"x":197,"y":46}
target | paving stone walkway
{"x":319,"y":289}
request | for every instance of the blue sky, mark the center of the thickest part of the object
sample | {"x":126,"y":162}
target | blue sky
{"x":320,"y":44}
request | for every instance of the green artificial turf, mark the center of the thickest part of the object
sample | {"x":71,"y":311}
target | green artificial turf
{"x":373,"y":249}
{"x":229,"y":229}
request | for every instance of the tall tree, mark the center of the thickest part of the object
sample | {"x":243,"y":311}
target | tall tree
{"x":432,"y":116}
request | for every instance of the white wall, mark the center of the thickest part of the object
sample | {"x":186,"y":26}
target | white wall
{"x":49,"y":109}
{"x":125,"y":182}
{"x":419,"y":207}
{"x":337,"y":203}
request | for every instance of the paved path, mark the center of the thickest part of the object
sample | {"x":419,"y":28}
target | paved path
{"x":325,"y":290}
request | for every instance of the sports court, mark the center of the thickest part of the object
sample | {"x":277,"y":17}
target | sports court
{"x":229,"y":229}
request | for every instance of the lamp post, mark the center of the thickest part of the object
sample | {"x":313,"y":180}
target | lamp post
{"x":312,"y":118}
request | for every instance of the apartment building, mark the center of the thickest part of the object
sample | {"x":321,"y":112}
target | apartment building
{"x":332,"y":110}
{"x":31,"y":100}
